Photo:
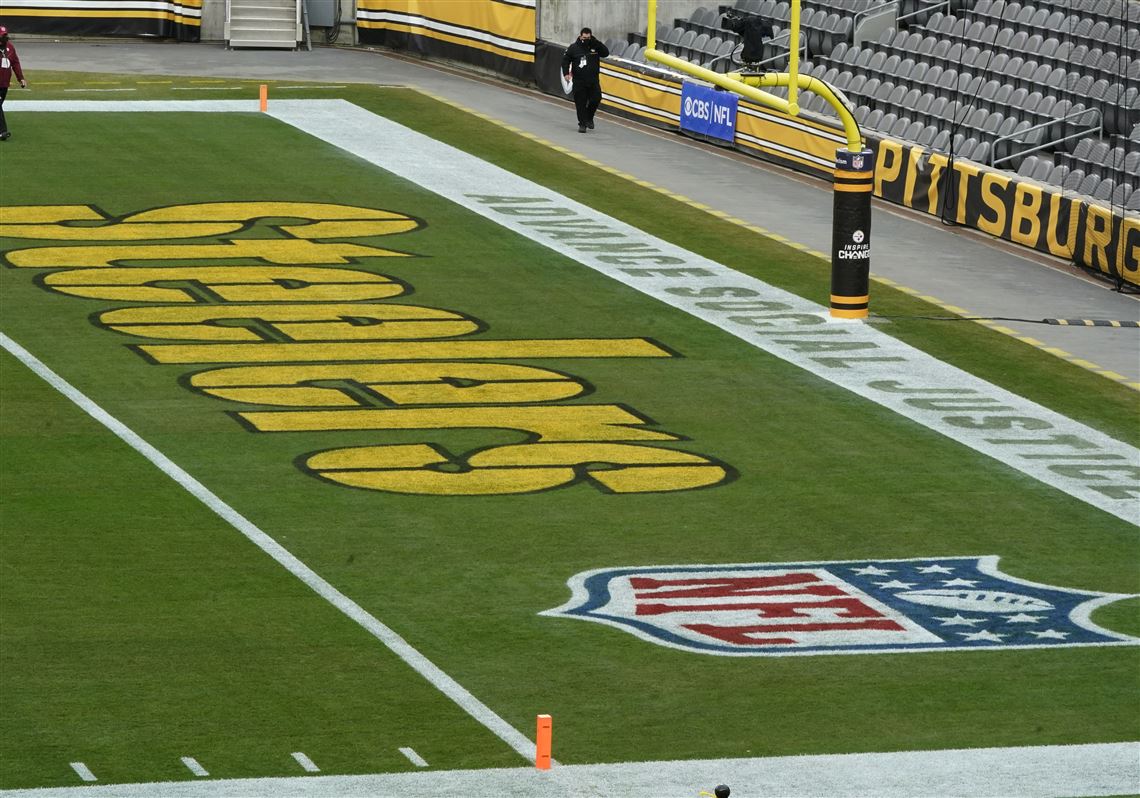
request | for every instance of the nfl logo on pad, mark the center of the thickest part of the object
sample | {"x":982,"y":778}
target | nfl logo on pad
{"x":849,"y":607}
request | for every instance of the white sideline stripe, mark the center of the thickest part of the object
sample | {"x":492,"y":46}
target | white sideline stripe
{"x":83,"y":771}
{"x":194,"y":767}
{"x":414,"y":758}
{"x":400,"y":647}
{"x":306,"y":763}
{"x":1050,"y":771}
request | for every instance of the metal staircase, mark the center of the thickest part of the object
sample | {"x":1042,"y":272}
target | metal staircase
{"x":263,"y":23}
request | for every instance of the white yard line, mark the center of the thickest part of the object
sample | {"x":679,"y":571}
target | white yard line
{"x":1029,"y":772}
{"x":400,"y":647}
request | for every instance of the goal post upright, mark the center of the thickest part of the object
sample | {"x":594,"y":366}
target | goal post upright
{"x":854,"y":165}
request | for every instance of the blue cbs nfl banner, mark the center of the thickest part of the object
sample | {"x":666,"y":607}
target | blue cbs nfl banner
{"x":707,"y":111}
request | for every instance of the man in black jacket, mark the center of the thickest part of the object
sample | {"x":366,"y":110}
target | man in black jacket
{"x":582,"y":60}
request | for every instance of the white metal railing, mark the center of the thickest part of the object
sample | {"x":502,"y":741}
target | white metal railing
{"x":1081,"y":132}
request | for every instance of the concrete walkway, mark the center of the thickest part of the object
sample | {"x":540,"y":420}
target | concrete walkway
{"x":954,"y":266}
{"x":1037,"y":772}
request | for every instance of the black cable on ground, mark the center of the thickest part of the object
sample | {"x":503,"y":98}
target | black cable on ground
{"x":1114,"y":323}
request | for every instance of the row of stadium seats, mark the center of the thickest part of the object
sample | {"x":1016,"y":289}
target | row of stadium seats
{"x":1039,"y":15}
{"x":1050,"y":52}
{"x":1007,"y":82}
{"x":959,"y":30}
{"x":985,"y":80}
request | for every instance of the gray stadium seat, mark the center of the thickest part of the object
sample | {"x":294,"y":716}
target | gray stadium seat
{"x":701,"y":43}
{"x":937,"y":109}
{"x":1073,"y":180}
{"x":1044,"y":170}
{"x":1088,"y":185}
{"x":1132,"y":166}
{"x":910,"y":99}
{"x":1104,"y":189}
{"x":684,"y":46}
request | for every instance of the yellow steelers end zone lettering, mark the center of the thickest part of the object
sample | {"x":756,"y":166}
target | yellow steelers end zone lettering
{"x":286,"y":297}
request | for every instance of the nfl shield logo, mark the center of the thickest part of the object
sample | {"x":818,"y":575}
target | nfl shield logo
{"x":849,"y":607}
{"x":857,"y":162}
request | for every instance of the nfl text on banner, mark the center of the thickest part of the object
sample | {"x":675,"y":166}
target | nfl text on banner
{"x":707,"y":111}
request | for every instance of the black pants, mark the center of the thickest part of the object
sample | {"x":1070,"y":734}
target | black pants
{"x":587,"y":98}
{"x":3,"y":124}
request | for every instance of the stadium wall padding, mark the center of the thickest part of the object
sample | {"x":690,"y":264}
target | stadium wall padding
{"x":1094,"y":236}
{"x":167,"y":19}
{"x":496,"y":34}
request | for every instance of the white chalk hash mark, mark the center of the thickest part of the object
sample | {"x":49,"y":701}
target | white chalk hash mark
{"x":305,"y":762}
{"x":195,"y":768}
{"x":83,"y":771}
{"x":414,"y":758}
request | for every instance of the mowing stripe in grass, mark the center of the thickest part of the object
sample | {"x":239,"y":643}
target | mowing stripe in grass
{"x":400,"y":647}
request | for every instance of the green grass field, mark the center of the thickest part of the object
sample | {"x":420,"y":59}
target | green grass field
{"x":137,"y":627}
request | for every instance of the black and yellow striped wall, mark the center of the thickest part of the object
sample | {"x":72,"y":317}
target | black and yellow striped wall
{"x":171,"y":19}
{"x":495,"y":34}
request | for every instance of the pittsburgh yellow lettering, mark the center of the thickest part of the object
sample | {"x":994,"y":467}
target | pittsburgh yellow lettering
{"x":1026,"y":226}
{"x":991,"y":183}
{"x":889,"y":166}
{"x":1098,"y":235}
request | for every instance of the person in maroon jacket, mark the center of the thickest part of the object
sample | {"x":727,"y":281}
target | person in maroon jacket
{"x":9,"y":63}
